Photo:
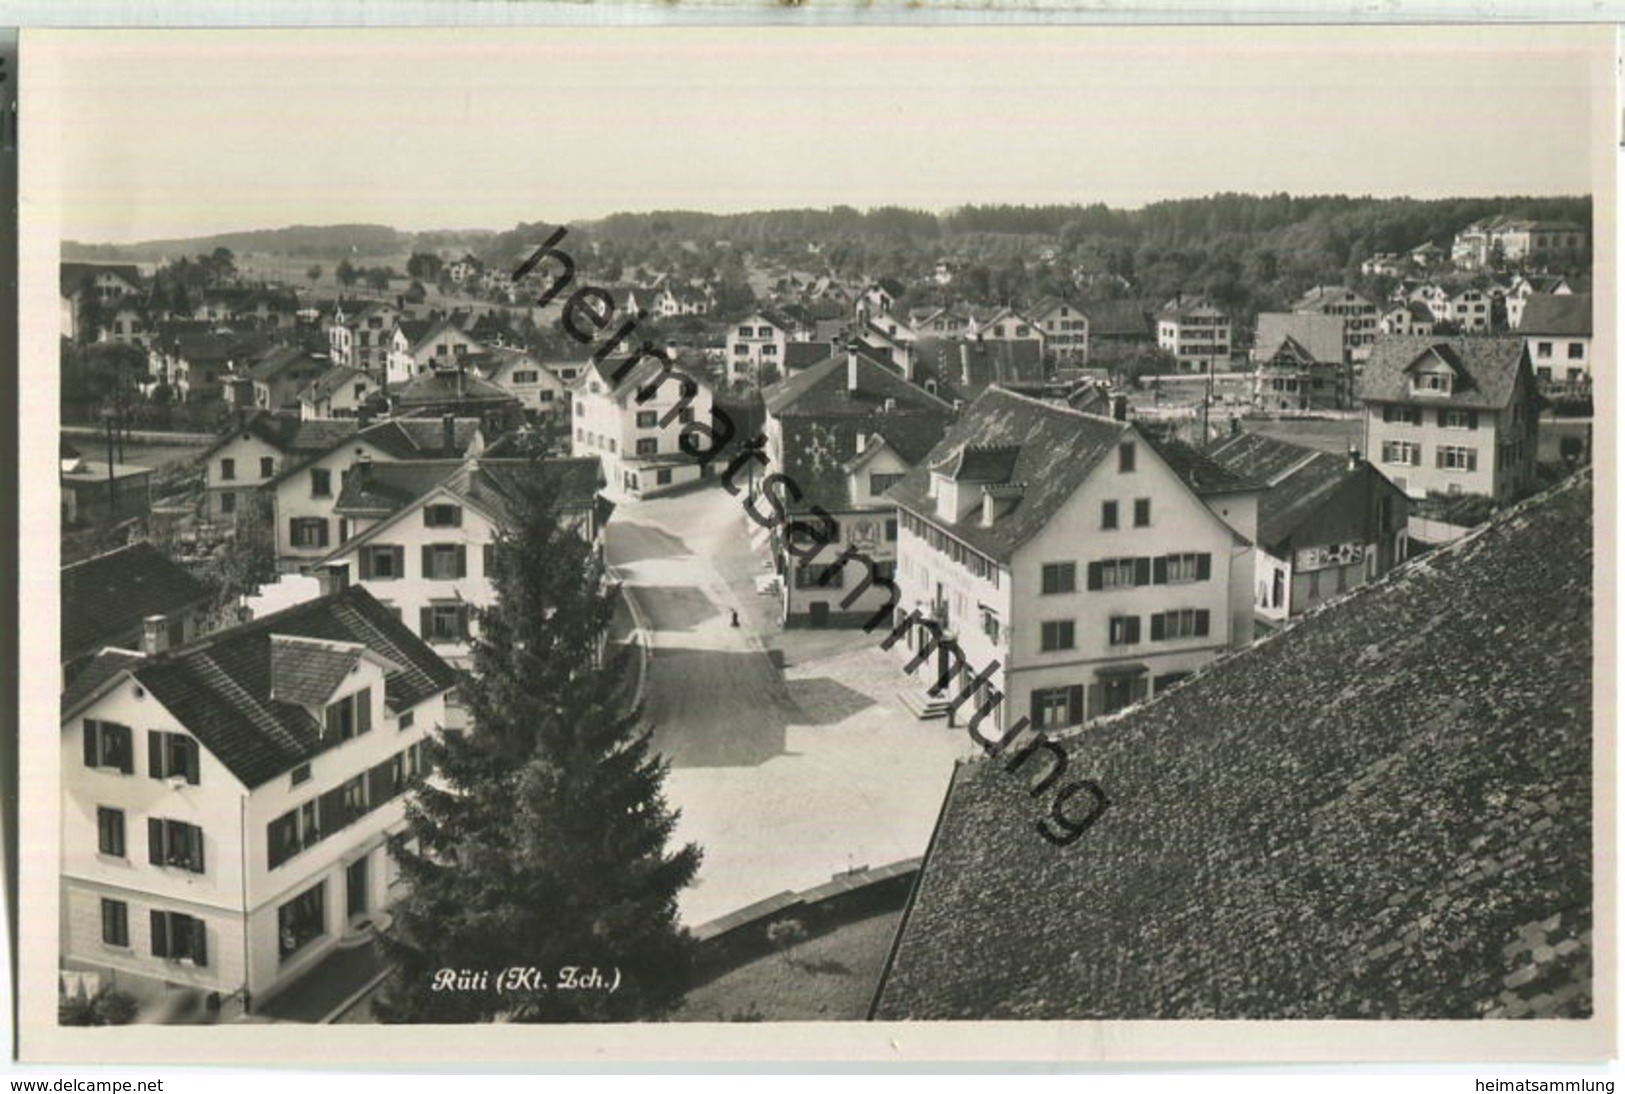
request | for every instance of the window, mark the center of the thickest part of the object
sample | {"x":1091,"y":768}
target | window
{"x":581,"y":409}
{"x":1108,"y":514}
{"x":301,"y":774}
{"x":1125,"y":456}
{"x":308,"y":531}
{"x":1059,"y":577}
{"x":301,"y":920}
{"x":1123,"y":630}
{"x":172,"y":755}
{"x":1054,"y":707}
{"x":544,"y":396}
{"x":108,"y":745}
{"x":1577,"y":351}
{"x":381,"y":562}
{"x":351,"y":716}
{"x":1185,"y":623}
{"x":110,"y":831}
{"x":115,"y":923}
{"x":1408,"y":414}
{"x":1542,"y":349}
{"x":291,"y":833}
{"x":442,"y":516}
{"x":1119,"y":573}
{"x":321,"y":482}
{"x":744,"y":332}
{"x":663,"y":477}
{"x":648,"y":419}
{"x":1455,"y":458}
{"x":228,"y":468}
{"x":648,"y":446}
{"x":1142,"y":512}
{"x":444,"y":561}
{"x":267,"y":467}
{"x":175,"y":843}
{"x":444,"y":622}
{"x":406,"y":720}
{"x":891,"y":529}
{"x":1056,"y":634}
{"x":1458,"y":419}
{"x":880,"y":483}
{"x":1179,"y":569}
{"x":1402,"y":452}
{"x":179,"y":937}
{"x":228,"y":503}
{"x":526,"y":376}
{"x":770,"y":350}
{"x":820,"y":577}
{"x":1431,"y":383}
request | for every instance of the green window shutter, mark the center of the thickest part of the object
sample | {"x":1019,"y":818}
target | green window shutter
{"x":456,"y":516}
{"x":127,"y":751}
{"x":380,"y":783}
{"x":1204,"y":567}
{"x":1472,"y":419}
{"x":1201,"y":623}
{"x":363,"y":711}
{"x":277,"y":841}
{"x":155,"y":841}
{"x":160,"y":934}
{"x":195,"y":839}
{"x":330,"y":812}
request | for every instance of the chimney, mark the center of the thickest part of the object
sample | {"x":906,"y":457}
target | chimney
{"x":448,"y":433}
{"x":152,"y":635}
{"x":1120,"y":407}
{"x":332,"y":579}
{"x":852,"y":367}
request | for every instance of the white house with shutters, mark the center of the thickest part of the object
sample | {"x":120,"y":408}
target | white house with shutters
{"x":1070,"y":559}
{"x":639,"y":440}
{"x":225,"y":805}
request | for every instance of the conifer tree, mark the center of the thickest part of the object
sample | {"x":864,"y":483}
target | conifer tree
{"x":541,"y":840}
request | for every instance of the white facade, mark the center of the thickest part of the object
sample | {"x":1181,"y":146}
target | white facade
{"x":752,"y":342}
{"x":638,"y":443}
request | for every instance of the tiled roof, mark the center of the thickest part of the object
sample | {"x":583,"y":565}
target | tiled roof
{"x":76,"y":276}
{"x":1564,"y":314}
{"x":101,"y":668}
{"x":1205,"y":476}
{"x":801,"y":355}
{"x":1059,"y":448}
{"x":1383,"y":811}
{"x":108,"y":595}
{"x":1258,"y":457}
{"x":988,"y":360}
{"x":1118,"y":318}
{"x":1300,"y":480}
{"x":645,"y":370}
{"x":422,"y":438}
{"x":448,"y":386}
{"x":276,"y":359}
{"x":306,"y":672}
{"x":220,"y":687}
{"x":1328,"y":296}
{"x":384,"y":487}
{"x":1320,"y":336}
{"x":822,"y":389}
{"x":329,"y":382}
{"x":286,"y":433}
{"x":1487,"y":369}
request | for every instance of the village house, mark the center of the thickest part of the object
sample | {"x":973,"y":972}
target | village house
{"x":226,"y":803}
{"x":1070,"y":560}
{"x":125,"y":322}
{"x":673,"y":301}
{"x":1196,"y":332}
{"x":200,"y":365}
{"x":132,"y":597}
{"x":1384,"y":813}
{"x":305,"y":492}
{"x":638,"y":441}
{"x":420,"y":346}
{"x":756,"y":340}
{"x":1528,"y":285}
{"x":1426,"y":256}
{"x":957,"y":370}
{"x":360,"y":334}
{"x":340,"y":392}
{"x":1360,"y":316}
{"x":1504,"y":239}
{"x":1384,"y":264}
{"x":457,"y":390}
{"x":461,"y":269}
{"x":1007,"y":324}
{"x":256,"y":447}
{"x":1452,"y":415}
{"x":274,"y":378}
{"x":104,"y":283}
{"x":1407,"y":317}
{"x":423,"y":534}
{"x":844,"y":431}
{"x":1326,"y":523}
{"x":538,"y":390}
{"x":1300,"y":361}
{"x":1557,"y":333}
{"x":1065,"y":329}
{"x":1470,"y":308}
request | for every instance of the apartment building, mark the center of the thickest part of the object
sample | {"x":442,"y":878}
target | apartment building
{"x":1361,"y":318}
{"x":1196,"y":332}
{"x":638,"y":439}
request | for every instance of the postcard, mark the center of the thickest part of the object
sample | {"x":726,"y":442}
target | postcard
{"x":659,"y":544}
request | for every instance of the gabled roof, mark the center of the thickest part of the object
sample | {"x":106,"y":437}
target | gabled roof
{"x":1118,"y":319}
{"x":105,"y":596}
{"x":1328,"y":296}
{"x":76,"y":276}
{"x":286,"y":433}
{"x":442,"y":387}
{"x":1410,"y":837}
{"x":399,"y":438}
{"x":278,"y":359}
{"x":1058,"y":449}
{"x":306,"y":671}
{"x":1566,"y":314}
{"x":1007,"y":361}
{"x":330,"y":381}
{"x":220,"y":687}
{"x":1318,"y":336}
{"x":1486,"y":369}
{"x":822,"y":389}
{"x":1300,"y":480}
{"x":1205,"y":477}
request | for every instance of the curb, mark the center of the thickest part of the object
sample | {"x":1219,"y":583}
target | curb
{"x":645,"y":637}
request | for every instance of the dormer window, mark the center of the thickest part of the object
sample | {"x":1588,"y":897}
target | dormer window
{"x":1431,"y":383}
{"x":351,"y":716}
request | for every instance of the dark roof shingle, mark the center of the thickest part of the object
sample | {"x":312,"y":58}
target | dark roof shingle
{"x":106,"y":596}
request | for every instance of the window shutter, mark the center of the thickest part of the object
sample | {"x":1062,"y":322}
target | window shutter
{"x":321,"y":527}
{"x":425,"y":623}
{"x":1204,"y":567}
{"x":1472,"y":419}
{"x":428,"y":561}
{"x":1142,"y":571}
{"x":276,"y":843}
{"x":1094,"y":575}
{"x":91,"y":733}
{"x":160,"y":934}
{"x":1074,"y":704}
{"x":456,"y":516}
{"x":399,"y":570}
{"x":381,"y":783}
{"x":1201,"y":622}
{"x":462,"y":560}
{"x":1131,"y":629}
{"x":1438,"y":457}
{"x":1097,"y":700}
{"x":1441,"y":417}
{"x":330,"y":812}
{"x":462,"y":621}
{"x":155,"y":841}
{"x":363,"y":711}
{"x":293,"y":531}
{"x":1157,"y":627}
{"x":193,"y":763}
{"x":364,"y":562}
{"x":488,"y":561}
{"x":1472,"y":459}
{"x":1159,"y":570}
{"x":428,"y":516}
{"x":1035,"y":712}
{"x":127,"y":751}
{"x":155,"y":754}
{"x":195,"y":838}
{"x":200,"y":943}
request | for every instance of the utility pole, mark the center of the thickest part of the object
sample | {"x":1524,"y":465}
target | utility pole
{"x":112,"y":479}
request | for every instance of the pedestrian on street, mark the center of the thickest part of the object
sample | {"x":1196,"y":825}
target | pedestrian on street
{"x":735,"y":613}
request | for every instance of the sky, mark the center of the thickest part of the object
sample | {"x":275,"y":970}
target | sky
{"x":186,"y":133}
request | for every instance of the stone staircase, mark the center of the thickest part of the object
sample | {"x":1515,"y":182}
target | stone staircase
{"x":923,"y":706}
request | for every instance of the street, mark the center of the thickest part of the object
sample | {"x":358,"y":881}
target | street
{"x":784,"y":776}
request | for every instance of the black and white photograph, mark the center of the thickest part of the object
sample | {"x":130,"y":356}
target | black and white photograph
{"x":1085,"y":528}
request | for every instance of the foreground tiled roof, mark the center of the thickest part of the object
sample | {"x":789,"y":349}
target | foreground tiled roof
{"x":1058,"y":448}
{"x":220,"y":687}
{"x":1487,"y":369}
{"x":1383,"y":811}
{"x":1568,"y":313}
{"x":110,"y":594}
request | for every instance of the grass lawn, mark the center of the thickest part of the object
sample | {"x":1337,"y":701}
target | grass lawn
{"x":829,"y":978}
